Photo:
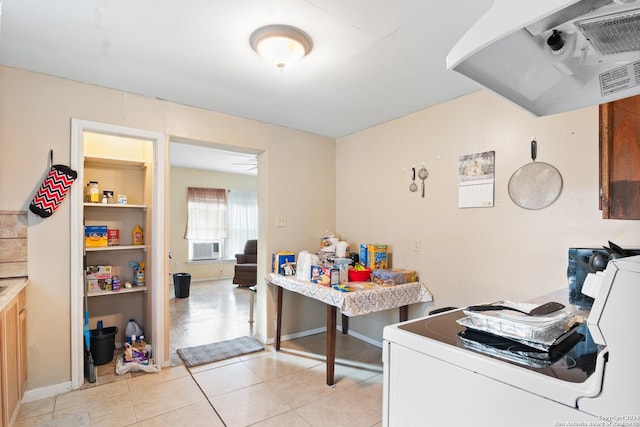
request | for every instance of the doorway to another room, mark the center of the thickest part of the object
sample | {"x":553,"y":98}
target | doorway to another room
{"x":216,"y":309}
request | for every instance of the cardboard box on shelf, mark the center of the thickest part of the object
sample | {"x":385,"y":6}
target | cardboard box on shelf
{"x":95,"y":236}
{"x":99,"y":278}
{"x":99,"y":272}
{"x":95,"y":285}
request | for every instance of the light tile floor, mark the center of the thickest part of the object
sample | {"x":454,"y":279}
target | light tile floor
{"x":268,"y":388}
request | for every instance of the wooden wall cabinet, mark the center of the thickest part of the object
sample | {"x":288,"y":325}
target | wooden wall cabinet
{"x":13,"y":357}
{"x":620,"y":159}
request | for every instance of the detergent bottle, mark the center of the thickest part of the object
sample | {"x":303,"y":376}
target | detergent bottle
{"x":132,"y":330}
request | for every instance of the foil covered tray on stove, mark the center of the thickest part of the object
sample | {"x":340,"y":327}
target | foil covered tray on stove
{"x":543,"y":330}
{"x":504,"y":348}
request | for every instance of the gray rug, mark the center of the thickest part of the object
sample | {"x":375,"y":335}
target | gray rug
{"x":203,"y":354}
{"x":80,"y":419}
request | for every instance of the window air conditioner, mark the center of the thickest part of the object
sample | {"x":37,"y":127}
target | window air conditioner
{"x":204,"y":250}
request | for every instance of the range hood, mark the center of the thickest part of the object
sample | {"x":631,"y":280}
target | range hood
{"x":551,"y":56}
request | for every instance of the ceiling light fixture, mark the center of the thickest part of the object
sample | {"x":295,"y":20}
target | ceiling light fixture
{"x":281,"y":44}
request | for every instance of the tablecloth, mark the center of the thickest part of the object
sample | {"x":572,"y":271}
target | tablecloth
{"x":358,"y":302}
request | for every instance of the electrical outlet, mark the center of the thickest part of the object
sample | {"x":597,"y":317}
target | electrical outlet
{"x":416,"y":245}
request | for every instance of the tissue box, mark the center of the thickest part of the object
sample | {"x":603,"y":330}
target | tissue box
{"x":393,"y":276}
{"x":279,"y":259}
{"x":377,"y":256}
{"x":95,"y":236}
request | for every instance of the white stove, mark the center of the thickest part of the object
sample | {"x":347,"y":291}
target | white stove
{"x":432,"y":378}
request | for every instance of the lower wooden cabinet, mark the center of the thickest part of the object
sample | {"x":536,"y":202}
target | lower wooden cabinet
{"x":13,"y":357}
{"x":22,"y":340}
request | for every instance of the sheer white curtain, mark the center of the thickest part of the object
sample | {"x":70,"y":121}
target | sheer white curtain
{"x":242,"y":220}
{"x":206,"y":214}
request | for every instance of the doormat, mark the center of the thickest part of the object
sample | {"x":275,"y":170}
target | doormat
{"x":207,"y":353}
{"x":80,"y":419}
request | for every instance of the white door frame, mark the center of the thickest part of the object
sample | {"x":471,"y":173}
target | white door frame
{"x":158,"y":250}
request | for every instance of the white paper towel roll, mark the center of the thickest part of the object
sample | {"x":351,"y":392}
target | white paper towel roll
{"x":303,"y":267}
{"x":341,"y":249}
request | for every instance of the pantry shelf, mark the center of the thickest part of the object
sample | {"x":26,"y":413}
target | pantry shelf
{"x":116,"y":248}
{"x":114,"y":206}
{"x":112,"y":162}
{"x":118,"y":292}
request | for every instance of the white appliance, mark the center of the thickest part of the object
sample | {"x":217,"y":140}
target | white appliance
{"x":431,"y":378}
{"x":551,"y":56}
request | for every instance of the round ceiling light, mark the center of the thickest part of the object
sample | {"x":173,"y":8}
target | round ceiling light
{"x":281,"y":44}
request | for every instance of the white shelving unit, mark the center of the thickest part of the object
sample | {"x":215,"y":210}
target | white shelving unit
{"x":128,"y":161}
{"x":130,"y":178}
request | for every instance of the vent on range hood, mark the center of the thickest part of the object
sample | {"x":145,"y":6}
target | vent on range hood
{"x":551,"y":56}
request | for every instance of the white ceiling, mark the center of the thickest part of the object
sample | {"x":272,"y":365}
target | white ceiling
{"x":193,"y":156}
{"x":372,"y":60}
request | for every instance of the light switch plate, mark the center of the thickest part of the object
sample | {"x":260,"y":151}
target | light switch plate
{"x":281,"y":221}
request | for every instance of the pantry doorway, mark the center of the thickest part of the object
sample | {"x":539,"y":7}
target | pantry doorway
{"x":154,"y":301}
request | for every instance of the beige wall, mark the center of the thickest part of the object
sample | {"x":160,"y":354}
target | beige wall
{"x":181,"y":179}
{"x":35,"y":114}
{"x":357,"y":187}
{"x":473,"y":255}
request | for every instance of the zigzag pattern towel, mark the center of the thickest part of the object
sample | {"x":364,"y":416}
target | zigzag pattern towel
{"x":53,"y":190}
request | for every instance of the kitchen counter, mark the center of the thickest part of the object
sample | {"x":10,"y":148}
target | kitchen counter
{"x":9,"y":288}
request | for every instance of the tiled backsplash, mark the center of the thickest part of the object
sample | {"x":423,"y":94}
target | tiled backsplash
{"x":13,"y":244}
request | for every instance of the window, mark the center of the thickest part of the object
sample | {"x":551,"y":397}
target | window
{"x":219,"y":222}
{"x":242,"y":220}
{"x":206,"y":222}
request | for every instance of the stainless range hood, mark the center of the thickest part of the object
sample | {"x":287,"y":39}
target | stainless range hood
{"x":551,"y":56}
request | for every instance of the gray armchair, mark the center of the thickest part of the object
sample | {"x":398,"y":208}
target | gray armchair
{"x":246,"y":272}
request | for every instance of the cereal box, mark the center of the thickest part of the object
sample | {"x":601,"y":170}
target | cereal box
{"x":363,"y":254}
{"x":377,"y":256}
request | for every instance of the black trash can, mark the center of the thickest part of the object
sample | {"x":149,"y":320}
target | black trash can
{"x":181,"y":284}
{"x":103,"y":342}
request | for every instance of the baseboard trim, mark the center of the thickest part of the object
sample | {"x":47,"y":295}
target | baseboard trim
{"x":308,"y":332}
{"x":48,"y":391}
{"x":363,"y":338}
{"x":300,"y":334}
